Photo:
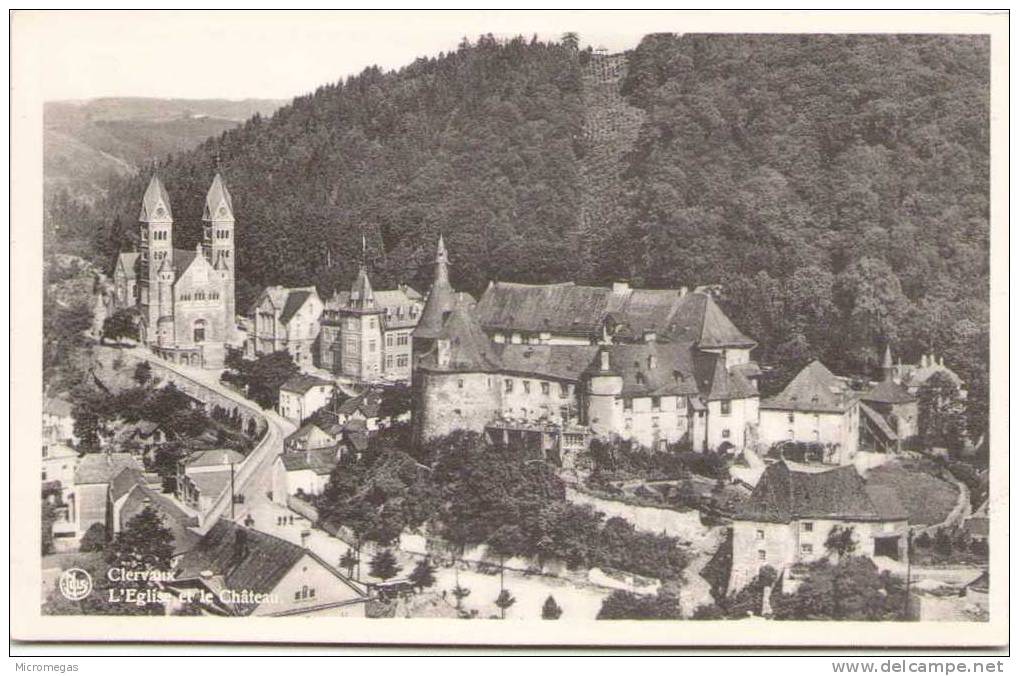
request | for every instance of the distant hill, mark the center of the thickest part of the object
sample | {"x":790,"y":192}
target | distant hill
{"x":86,"y":143}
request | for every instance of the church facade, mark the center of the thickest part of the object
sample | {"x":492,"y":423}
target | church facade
{"x":184,"y":298}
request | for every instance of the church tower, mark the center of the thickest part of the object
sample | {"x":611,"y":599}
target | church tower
{"x":156,"y":248}
{"x":218,"y":247}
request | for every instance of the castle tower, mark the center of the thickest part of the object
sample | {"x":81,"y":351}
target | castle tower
{"x":604,"y":386}
{"x":218,"y":248}
{"x":438,"y":306}
{"x":156,"y":237}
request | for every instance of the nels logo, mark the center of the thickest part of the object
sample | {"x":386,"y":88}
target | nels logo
{"x":75,"y":584}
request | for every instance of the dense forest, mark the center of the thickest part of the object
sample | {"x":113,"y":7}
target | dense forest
{"x":836,"y":187}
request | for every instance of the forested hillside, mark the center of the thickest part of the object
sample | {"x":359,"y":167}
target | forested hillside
{"x":835,"y":186}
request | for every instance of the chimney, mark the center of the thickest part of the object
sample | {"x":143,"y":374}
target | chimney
{"x":605,"y":362}
{"x":923,"y":361}
{"x":621,"y":286}
{"x":442,"y":350}
{"x":683,"y":291}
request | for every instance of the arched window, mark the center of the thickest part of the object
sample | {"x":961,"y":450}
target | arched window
{"x":199,"y":330}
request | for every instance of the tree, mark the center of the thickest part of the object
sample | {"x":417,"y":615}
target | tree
{"x":941,"y":418}
{"x":142,"y":373}
{"x":423,"y":575}
{"x":840,"y":541}
{"x":504,"y":602}
{"x":261,"y":378}
{"x":851,"y":589}
{"x":348,"y":561}
{"x":460,"y":593}
{"x":144,"y":543}
{"x":121,"y":324}
{"x":550,"y":610}
{"x":624,"y":605}
{"x":397,"y":400}
{"x":48,"y":517}
{"x":383,"y":565}
{"x":94,"y":539}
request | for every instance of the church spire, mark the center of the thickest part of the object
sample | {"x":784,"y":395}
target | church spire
{"x":886,"y":363}
{"x":156,"y":202}
{"x":441,"y":263}
{"x":440,"y":302}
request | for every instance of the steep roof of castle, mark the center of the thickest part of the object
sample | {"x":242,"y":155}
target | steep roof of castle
{"x":716,"y":382}
{"x":654,"y":369}
{"x":154,"y":195}
{"x":441,"y":297}
{"x":561,"y":308}
{"x":840,"y":493}
{"x":218,"y":196}
{"x":814,"y":388}
{"x":888,"y":392}
{"x":555,"y":362}
{"x":469,"y":347}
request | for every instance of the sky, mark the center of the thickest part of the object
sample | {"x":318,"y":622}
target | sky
{"x":235,"y":55}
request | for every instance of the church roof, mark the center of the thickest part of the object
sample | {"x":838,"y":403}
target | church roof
{"x":888,"y":392}
{"x":814,"y":388}
{"x":218,"y":196}
{"x":129,"y":261}
{"x":155,"y":195}
{"x":840,"y":493}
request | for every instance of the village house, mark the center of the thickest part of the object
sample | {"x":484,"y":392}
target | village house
{"x":96,"y":471}
{"x":303,"y":394}
{"x":816,"y":408}
{"x":185,"y":298}
{"x":285,"y":319}
{"x":913,"y":376}
{"x":312,"y":435}
{"x":303,"y":473}
{"x":245,"y":572}
{"x":131,"y":492}
{"x":889,"y":414}
{"x":792,"y":510}
{"x":203,"y":476}
{"x":59,"y":464}
{"x":366,"y":334}
{"x":58,"y":421}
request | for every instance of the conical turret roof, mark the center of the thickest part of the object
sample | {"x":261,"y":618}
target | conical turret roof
{"x":361,"y":294}
{"x":218,"y":205}
{"x":469,"y":347}
{"x":155,"y":198}
{"x":441,"y":298}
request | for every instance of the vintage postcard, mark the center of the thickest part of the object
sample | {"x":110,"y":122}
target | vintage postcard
{"x":510,"y":328}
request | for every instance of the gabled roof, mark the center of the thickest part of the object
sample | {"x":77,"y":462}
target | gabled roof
{"x":560,"y":308}
{"x":654,"y":369}
{"x":211,"y":484}
{"x":717,"y":383}
{"x":296,"y":298}
{"x":155,"y":195}
{"x":218,"y":196}
{"x":214,"y":457}
{"x":320,"y":461}
{"x":878,"y":423}
{"x":839,"y":494}
{"x":277,"y":296}
{"x":888,"y":392}
{"x":128,"y":260}
{"x":182,"y":259}
{"x":305,"y":431}
{"x":176,"y":519}
{"x":469,"y":347}
{"x":302,"y":383}
{"x":814,"y":389}
{"x":368,"y":402}
{"x":101,"y":468}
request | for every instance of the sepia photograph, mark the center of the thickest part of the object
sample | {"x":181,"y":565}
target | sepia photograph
{"x":550,"y":322}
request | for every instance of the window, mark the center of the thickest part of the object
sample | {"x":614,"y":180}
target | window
{"x":564,"y":390}
{"x":527,"y":387}
{"x":760,"y":534}
{"x":808,"y":526}
{"x":297,"y":596}
{"x":545,"y":388}
{"x":725,"y":433}
{"x":792,"y":417}
{"x":654,"y":422}
{"x":762,"y":555}
{"x":402,"y":360}
{"x":371,"y":345}
{"x":199,"y":331}
{"x":371,"y":322}
{"x":627,"y":404}
{"x":726,"y":407}
{"x":402,"y":339}
{"x":806,"y":549}
{"x":656,"y":403}
{"x":460,"y":383}
{"x":628,"y":424}
{"x":389,"y":340}
{"x":509,"y":384}
{"x":389,"y":361}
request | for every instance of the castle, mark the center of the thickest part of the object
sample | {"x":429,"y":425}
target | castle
{"x":551,"y":366}
{"x":185,"y":298}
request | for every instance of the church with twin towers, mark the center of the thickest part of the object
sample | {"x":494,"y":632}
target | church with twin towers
{"x":184,"y":297}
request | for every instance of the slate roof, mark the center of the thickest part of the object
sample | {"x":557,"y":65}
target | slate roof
{"x":888,"y":392}
{"x":277,"y":296}
{"x":654,"y":369}
{"x":214,"y":457}
{"x":395,"y":304}
{"x":569,"y":309}
{"x":320,"y":461}
{"x":176,"y":519}
{"x":102,"y":468}
{"x":182,"y":259}
{"x":917,"y":375}
{"x":441,"y":298}
{"x":302,"y":383}
{"x":153,"y":194}
{"x":296,"y":298}
{"x":368,"y":402}
{"x":361,"y":294}
{"x":218,"y":194}
{"x":304,"y":431}
{"x":839,"y":494}
{"x":716,"y":383}
{"x":555,"y":362}
{"x":814,"y":389}
{"x":211,"y":484}
{"x":878,"y":421}
{"x":470,"y":349}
